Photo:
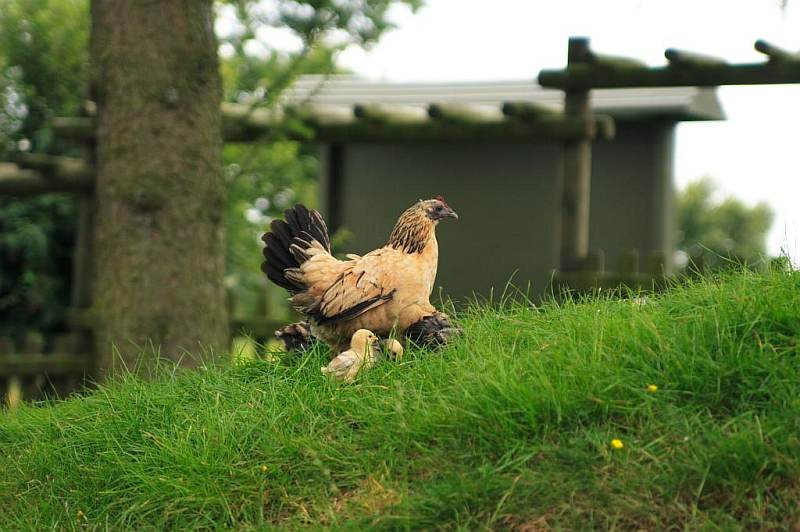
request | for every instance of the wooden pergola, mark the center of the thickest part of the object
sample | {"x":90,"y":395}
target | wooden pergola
{"x":587,"y":70}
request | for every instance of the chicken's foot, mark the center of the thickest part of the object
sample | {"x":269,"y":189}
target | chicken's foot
{"x":432,"y":331}
{"x":296,"y":336}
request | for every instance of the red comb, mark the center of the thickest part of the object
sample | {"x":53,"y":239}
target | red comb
{"x":439,"y":198}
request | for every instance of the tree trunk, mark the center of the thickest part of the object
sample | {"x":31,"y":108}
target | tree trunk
{"x":160,"y":195}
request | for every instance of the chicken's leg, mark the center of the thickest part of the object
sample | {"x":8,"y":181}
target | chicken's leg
{"x":295,"y":336}
{"x":432,"y":331}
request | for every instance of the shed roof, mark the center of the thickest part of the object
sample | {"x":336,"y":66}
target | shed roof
{"x":678,"y":103}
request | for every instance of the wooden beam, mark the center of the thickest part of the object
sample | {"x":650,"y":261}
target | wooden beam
{"x":18,"y":365}
{"x":391,"y":114}
{"x":465,"y":113}
{"x":73,"y":127}
{"x":775,"y":53}
{"x":604,"y":127}
{"x":240,"y":123}
{"x":681,"y":57}
{"x":257,"y":326}
{"x":686,"y":75}
{"x":549,"y":129}
{"x":84,"y":320}
{"x":613,"y":61}
{"x":16,"y":181}
{"x":322,"y":114}
{"x":528,"y":111}
{"x":51,"y":166}
{"x":387,"y":123}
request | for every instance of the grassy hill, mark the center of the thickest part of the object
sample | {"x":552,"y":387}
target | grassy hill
{"x":509,"y":428}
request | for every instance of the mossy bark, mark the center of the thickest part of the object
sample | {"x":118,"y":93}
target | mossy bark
{"x":160,"y":195}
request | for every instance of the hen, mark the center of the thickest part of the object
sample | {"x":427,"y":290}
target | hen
{"x":387,"y":289}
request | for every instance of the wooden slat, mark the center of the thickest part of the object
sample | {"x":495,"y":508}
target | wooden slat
{"x":38,"y":364}
{"x":261,"y":327}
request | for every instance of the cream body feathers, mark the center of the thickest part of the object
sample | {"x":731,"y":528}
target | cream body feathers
{"x":397,"y":284}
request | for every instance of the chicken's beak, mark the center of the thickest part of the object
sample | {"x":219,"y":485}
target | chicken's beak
{"x":451,"y":213}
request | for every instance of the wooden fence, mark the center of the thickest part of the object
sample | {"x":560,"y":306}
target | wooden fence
{"x":594,"y":277}
{"x":35,"y":367}
{"x":31,"y":370}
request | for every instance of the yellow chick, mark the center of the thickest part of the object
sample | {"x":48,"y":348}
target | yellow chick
{"x":393,"y":348}
{"x":362,"y":354}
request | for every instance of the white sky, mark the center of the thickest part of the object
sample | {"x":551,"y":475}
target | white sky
{"x":753,"y":155}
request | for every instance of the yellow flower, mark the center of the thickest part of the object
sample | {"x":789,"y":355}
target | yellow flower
{"x":263,"y":469}
{"x":652,"y":388}
{"x":79,"y":515}
{"x":617,"y":444}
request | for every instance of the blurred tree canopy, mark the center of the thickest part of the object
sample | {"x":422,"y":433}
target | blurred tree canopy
{"x":44,"y":73}
{"x":45,"y":62}
{"x":722,"y":231}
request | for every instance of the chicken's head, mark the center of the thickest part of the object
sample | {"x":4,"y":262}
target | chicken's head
{"x":362,"y":340}
{"x":415,"y":227}
{"x":437,"y":209}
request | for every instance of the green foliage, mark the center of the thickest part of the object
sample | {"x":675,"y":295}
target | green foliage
{"x":43,"y":45}
{"x":509,"y":427}
{"x":263,"y":180}
{"x":35,"y":254}
{"x":361,"y":21}
{"x":43,"y":73}
{"x":723,"y":232}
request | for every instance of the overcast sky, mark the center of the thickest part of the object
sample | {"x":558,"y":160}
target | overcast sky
{"x":754,"y":155}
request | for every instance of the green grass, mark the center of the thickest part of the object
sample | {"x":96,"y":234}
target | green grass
{"x":510,"y":427}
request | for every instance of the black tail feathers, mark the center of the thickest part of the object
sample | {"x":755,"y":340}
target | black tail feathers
{"x":286,"y":242}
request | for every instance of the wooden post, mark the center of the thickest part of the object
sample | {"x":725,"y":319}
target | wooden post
{"x":576,"y":177}
{"x":331,"y":176}
{"x":83,"y":267}
{"x":83,"y":273}
{"x":7,"y":384}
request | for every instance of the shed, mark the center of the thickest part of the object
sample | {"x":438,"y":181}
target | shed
{"x":503,"y":181}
